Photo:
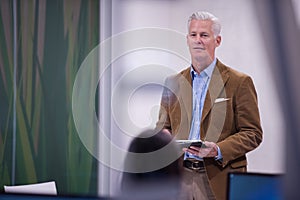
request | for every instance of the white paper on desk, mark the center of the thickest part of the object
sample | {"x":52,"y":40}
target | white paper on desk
{"x":46,"y":188}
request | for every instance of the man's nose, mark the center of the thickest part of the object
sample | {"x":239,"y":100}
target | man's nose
{"x":198,"y":39}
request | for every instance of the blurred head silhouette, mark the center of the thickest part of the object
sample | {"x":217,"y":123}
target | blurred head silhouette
{"x":156,"y":182}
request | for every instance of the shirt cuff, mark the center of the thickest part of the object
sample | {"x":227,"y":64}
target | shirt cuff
{"x":219,"y":156}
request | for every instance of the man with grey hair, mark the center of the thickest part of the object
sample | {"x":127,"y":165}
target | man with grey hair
{"x":210,"y":101}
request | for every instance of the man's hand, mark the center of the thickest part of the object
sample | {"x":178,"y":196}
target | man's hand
{"x":210,"y":150}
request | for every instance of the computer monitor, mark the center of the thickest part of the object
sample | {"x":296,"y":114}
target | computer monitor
{"x":254,"y":186}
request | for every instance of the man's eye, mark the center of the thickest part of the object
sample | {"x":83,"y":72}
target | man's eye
{"x":192,"y":34}
{"x":204,"y":35}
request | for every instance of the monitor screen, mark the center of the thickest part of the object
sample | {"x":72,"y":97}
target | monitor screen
{"x":254,"y":186}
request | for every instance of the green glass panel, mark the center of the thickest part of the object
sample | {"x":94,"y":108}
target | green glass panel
{"x":53,"y":39}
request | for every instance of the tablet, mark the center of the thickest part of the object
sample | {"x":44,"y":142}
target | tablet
{"x":188,"y":143}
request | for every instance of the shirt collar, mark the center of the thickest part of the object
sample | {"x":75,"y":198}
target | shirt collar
{"x":208,"y":70}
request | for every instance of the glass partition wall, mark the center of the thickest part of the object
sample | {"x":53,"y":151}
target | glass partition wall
{"x":43,"y":44}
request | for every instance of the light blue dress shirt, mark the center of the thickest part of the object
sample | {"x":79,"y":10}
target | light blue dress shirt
{"x":200,"y":87}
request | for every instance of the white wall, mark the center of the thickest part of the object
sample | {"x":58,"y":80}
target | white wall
{"x":242,"y":48}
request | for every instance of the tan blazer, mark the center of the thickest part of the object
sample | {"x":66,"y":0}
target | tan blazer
{"x":230,"y":118}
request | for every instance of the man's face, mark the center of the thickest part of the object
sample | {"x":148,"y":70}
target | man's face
{"x":201,"y":40}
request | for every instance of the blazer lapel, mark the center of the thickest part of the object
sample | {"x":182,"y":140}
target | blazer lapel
{"x":216,"y":85}
{"x":186,"y":97}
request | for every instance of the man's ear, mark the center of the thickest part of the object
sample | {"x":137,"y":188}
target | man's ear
{"x":187,"y":42}
{"x":218,"y":40}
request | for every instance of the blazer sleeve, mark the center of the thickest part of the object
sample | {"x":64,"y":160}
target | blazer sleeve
{"x":247,"y":133}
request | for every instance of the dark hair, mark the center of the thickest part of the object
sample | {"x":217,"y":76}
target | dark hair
{"x":150,"y":141}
